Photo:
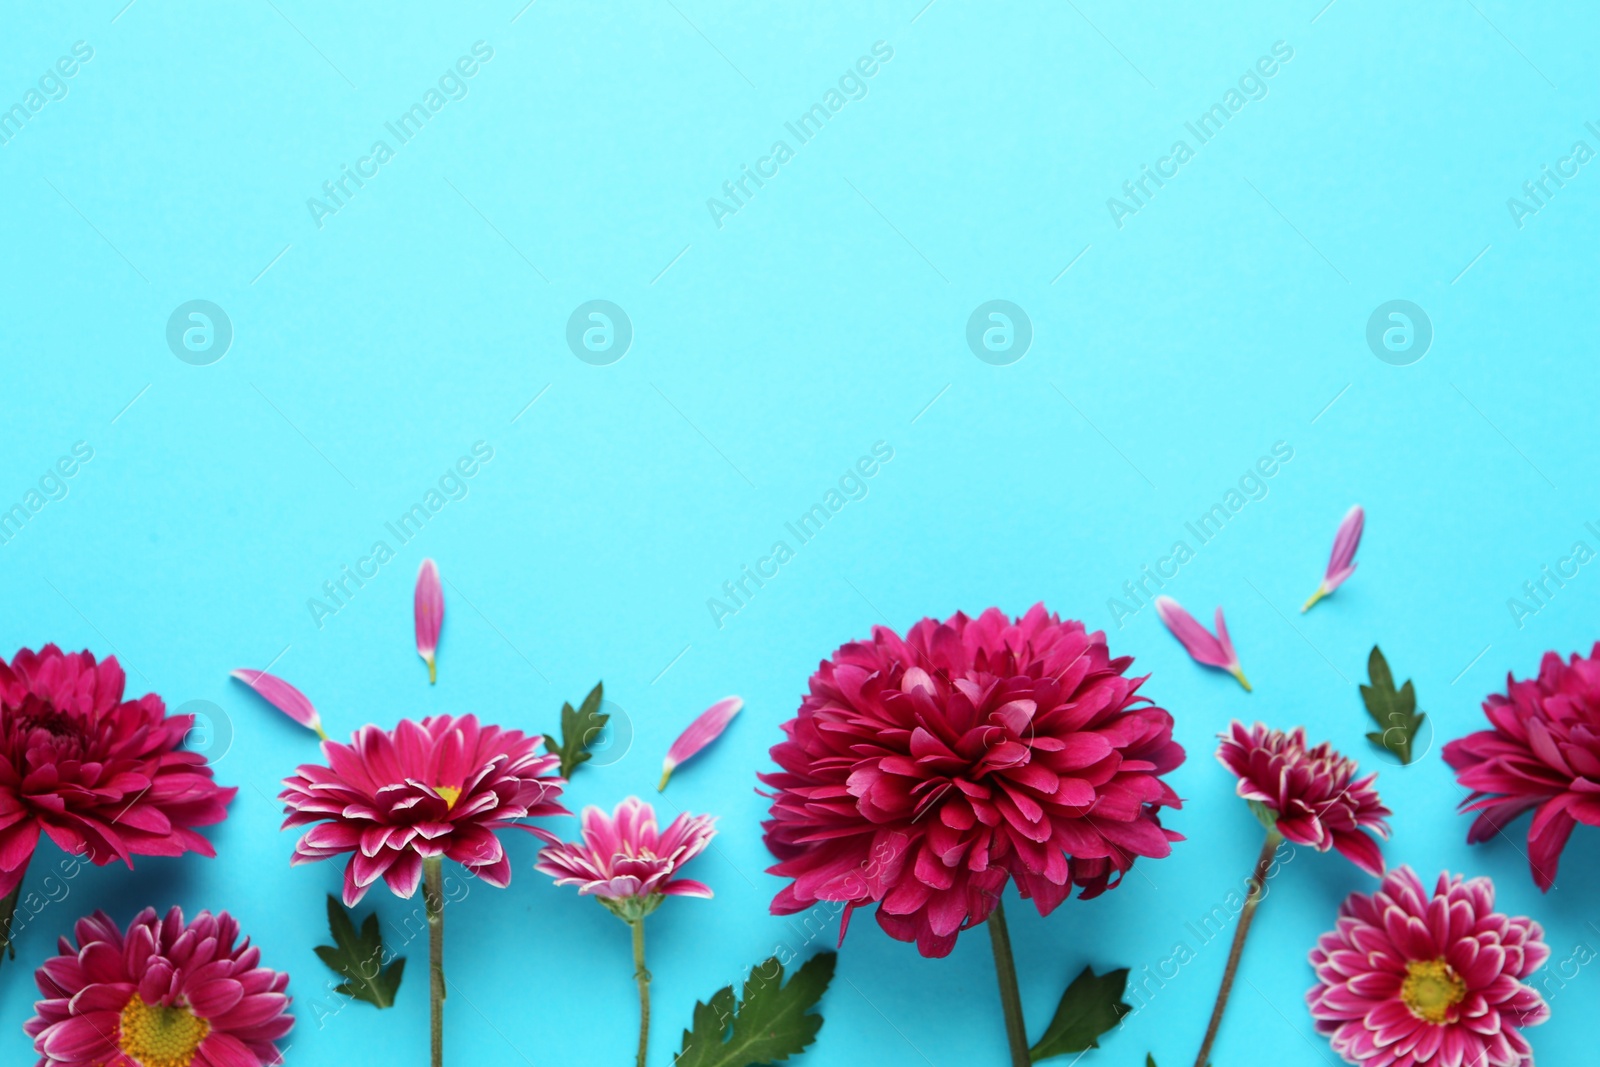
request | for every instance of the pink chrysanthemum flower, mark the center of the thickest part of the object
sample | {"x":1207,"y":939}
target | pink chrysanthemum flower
{"x":1312,"y":793}
{"x":100,"y":776}
{"x":1543,"y":752}
{"x":166,"y":994}
{"x":921,"y":774}
{"x":441,"y":788}
{"x":626,"y":862}
{"x":1406,"y":980}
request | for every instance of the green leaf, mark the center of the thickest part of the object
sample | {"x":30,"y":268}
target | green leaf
{"x":579,"y":729}
{"x":773,"y":1022}
{"x":358,"y":957}
{"x":1091,"y":1005}
{"x":1394,"y":710}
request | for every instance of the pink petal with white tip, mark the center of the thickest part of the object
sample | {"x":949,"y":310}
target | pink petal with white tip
{"x":283,"y":696}
{"x":1341,"y":562}
{"x":1213,"y":651}
{"x":428,"y":607}
{"x":706,"y":728}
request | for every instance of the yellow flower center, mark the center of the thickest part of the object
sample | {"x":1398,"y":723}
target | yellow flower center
{"x":1431,"y":989}
{"x":451,"y":794}
{"x":154,"y":1035}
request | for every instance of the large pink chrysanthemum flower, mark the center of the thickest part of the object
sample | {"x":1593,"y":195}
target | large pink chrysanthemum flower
{"x":441,"y":788}
{"x":1312,"y":793}
{"x":1543,"y":752}
{"x":166,"y":994}
{"x":1406,"y":980}
{"x":922,"y":773}
{"x":625,"y":861}
{"x":100,"y":776}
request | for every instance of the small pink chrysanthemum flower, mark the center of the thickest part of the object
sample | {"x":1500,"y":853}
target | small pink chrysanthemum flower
{"x":1312,"y":794}
{"x":100,"y":776}
{"x":166,"y":994}
{"x":1542,"y":752}
{"x":1406,"y":980}
{"x":443,"y":788}
{"x":625,"y":862}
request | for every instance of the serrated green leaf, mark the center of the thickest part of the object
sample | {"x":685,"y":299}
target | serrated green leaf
{"x":773,"y":1022}
{"x":358,"y":958}
{"x":580,"y":727}
{"x":1394,"y":710}
{"x":1091,"y":1005}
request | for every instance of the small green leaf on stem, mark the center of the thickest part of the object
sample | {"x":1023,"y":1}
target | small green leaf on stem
{"x":580,"y":728}
{"x":773,"y":1022}
{"x":1394,"y":710}
{"x":1091,"y":1006}
{"x":359,"y":958}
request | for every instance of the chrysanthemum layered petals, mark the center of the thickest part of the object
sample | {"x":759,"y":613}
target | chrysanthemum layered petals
{"x":1469,"y":1005}
{"x":196,"y":968}
{"x":982,"y":744}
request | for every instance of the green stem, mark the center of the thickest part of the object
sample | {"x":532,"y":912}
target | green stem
{"x":1258,"y":881}
{"x":641,"y":975}
{"x":433,"y":901}
{"x":1005,"y":968}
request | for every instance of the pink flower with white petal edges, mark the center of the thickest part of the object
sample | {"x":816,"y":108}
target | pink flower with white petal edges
{"x":1313,"y":793}
{"x":625,"y":862}
{"x":445,"y":788}
{"x":1341,"y":562}
{"x":1408,"y":980}
{"x":1197,"y":640}
{"x":166,"y":994}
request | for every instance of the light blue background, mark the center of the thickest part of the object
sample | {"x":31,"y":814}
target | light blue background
{"x":827,"y":314}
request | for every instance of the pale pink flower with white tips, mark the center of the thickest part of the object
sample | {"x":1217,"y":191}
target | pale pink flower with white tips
{"x":1341,"y":563}
{"x":706,"y":728}
{"x":285,"y":697}
{"x":1409,"y":980}
{"x":428,"y":608}
{"x":1197,"y":640}
{"x":626,"y":862}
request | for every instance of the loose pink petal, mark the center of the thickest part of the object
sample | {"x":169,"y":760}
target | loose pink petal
{"x":1213,"y":651}
{"x":429,"y":610}
{"x":1341,"y":563}
{"x":283,"y":696}
{"x":704,"y":730}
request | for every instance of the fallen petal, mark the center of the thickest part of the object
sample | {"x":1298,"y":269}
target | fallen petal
{"x":428,"y":607}
{"x":706,"y":728}
{"x":283,"y":696}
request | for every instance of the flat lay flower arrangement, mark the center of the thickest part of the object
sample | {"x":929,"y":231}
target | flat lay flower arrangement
{"x":922,"y":774}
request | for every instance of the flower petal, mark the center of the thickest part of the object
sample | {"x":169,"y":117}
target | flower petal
{"x":428,"y":609}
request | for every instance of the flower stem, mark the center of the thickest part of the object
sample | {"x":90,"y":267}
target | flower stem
{"x":1258,"y":880}
{"x":641,"y":975}
{"x":433,"y":901}
{"x":1005,"y":968}
{"x":8,"y":911}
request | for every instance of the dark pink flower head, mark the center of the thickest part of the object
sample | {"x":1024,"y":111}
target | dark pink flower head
{"x":441,"y":788}
{"x":921,"y":774}
{"x":1312,"y":792}
{"x":102,"y":777}
{"x":1407,"y":980}
{"x":1543,"y":752}
{"x":626,"y":862}
{"x":166,"y":994}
